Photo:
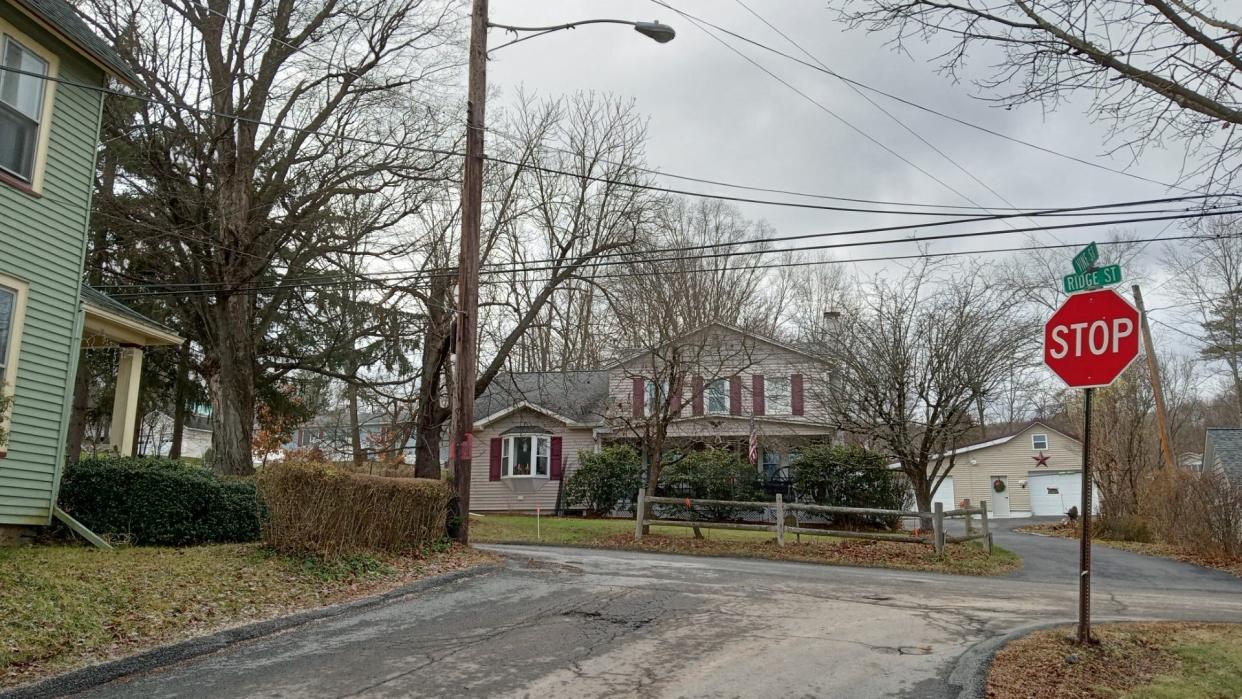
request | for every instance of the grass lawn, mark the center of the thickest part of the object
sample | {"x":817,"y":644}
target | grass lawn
{"x":966,"y":559}
{"x":66,"y":606}
{"x":1068,"y":531}
{"x":1166,"y":660}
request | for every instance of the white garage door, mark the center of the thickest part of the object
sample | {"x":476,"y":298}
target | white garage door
{"x":944,"y":495}
{"x":1052,"y":494}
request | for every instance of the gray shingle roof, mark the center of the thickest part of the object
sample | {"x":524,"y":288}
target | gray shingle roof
{"x":61,"y":16}
{"x":579,"y":395}
{"x":1225,"y":447}
{"x":102,"y":301}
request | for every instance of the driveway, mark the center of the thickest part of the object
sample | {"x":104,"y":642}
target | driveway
{"x":584,"y":623}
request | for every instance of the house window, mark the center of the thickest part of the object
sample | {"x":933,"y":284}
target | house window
{"x":21,"y":108}
{"x":525,"y":456}
{"x":1039,"y":442}
{"x":8,"y":309}
{"x":718,"y":397}
{"x":776,"y":396}
{"x":654,"y":392}
{"x":771,"y":464}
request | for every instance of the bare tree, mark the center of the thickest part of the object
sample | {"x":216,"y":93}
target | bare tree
{"x":273,"y":124}
{"x":912,"y":358}
{"x":1157,"y":69}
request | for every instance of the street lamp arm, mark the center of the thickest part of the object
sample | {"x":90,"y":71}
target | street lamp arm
{"x":654,"y":30}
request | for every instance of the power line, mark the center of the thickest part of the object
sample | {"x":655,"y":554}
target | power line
{"x":913,"y":104}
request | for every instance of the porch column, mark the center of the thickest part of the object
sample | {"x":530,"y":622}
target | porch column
{"x":125,"y":404}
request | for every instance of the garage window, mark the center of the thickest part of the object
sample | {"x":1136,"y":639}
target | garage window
{"x":1039,"y":442}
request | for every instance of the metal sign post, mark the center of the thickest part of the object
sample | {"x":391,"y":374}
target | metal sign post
{"x":1084,"y":543}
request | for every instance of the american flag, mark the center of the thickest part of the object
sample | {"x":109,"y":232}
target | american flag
{"x":753,"y":452}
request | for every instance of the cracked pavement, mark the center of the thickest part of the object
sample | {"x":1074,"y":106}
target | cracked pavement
{"x":586,"y":623}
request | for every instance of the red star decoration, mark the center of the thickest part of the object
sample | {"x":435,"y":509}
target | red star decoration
{"x":1041,"y":460}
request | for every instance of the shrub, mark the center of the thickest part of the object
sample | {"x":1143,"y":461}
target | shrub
{"x":711,"y":474}
{"x":316,"y":509}
{"x":1198,"y":512}
{"x":605,"y":480}
{"x":160,"y":502}
{"x":847,"y":476}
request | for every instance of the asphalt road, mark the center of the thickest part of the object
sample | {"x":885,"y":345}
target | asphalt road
{"x":583,"y":623}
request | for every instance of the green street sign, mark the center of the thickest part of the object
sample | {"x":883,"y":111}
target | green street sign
{"x":1105,"y":276}
{"x":1085,"y":258}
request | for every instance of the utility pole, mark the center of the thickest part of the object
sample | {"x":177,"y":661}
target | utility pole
{"x":461,"y":442}
{"x":1153,"y":366}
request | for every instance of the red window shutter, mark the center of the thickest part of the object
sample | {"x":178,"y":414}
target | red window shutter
{"x":637,"y":400}
{"x":696,"y":400}
{"x":735,"y":395}
{"x":756,"y":383}
{"x":795,"y":394}
{"x":556,"y":470}
{"x":493,"y":470}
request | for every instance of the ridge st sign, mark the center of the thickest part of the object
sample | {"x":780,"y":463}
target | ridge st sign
{"x":1091,"y":338}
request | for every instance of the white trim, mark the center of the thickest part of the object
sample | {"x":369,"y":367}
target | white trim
{"x":49,"y":99}
{"x":13,"y":355}
{"x":1039,"y":434}
{"x":98,"y":321}
{"x":509,"y":441}
{"x":484,"y":422}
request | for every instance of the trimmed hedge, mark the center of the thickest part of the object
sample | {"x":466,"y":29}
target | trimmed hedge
{"x":159,"y":502}
{"x":710,"y":474}
{"x":848,"y":476}
{"x":316,"y":509}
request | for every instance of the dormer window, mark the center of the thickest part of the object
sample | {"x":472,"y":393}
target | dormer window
{"x":21,"y":107}
{"x":1039,"y":442}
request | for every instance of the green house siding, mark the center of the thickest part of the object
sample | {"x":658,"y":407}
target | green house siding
{"x":42,"y":242}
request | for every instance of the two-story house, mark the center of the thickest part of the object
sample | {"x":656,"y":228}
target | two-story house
{"x":714,"y":387}
{"x":53,"y":70}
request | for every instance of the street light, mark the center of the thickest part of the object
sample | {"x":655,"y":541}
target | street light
{"x":461,"y":443}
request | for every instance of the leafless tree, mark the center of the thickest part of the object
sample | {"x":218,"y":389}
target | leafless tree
{"x":1156,"y":69}
{"x":912,"y":358}
{"x":272,"y":125}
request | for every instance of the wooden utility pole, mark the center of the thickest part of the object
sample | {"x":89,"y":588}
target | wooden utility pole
{"x":1153,"y":366}
{"x":468,"y":271}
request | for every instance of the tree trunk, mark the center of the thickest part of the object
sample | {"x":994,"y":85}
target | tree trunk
{"x":77,"y":414}
{"x":232,"y":386}
{"x":355,"y":431}
{"x":179,"y":407}
{"x":429,"y":415}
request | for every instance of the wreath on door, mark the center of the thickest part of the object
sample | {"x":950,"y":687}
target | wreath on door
{"x":998,"y":485}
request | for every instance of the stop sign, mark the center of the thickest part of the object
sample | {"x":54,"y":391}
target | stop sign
{"x":1091,"y":338}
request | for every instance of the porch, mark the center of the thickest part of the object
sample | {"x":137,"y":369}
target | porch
{"x":109,"y":325}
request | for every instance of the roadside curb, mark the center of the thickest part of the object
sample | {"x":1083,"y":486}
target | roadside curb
{"x":970,"y":672}
{"x":91,"y":676}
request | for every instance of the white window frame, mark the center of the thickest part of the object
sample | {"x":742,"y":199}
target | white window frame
{"x":1035,"y":437}
{"x":8,"y":384}
{"x":9,"y":32}
{"x":508,"y":449}
{"x":777,"y":402}
{"x":651,"y":396}
{"x":721,"y":386}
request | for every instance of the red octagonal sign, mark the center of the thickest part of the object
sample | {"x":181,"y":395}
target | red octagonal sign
{"x":1091,"y":338}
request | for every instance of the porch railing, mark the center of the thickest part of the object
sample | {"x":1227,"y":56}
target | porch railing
{"x":781,"y":527}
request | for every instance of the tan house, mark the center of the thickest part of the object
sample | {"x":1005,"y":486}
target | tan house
{"x":1035,"y":470}
{"x":725,"y":383}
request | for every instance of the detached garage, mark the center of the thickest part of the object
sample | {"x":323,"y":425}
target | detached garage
{"x":1054,"y":493}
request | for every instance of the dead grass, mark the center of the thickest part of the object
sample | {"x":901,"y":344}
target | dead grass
{"x":962,"y":559}
{"x":1069,"y":531}
{"x":1169,"y":660}
{"x":66,"y":606}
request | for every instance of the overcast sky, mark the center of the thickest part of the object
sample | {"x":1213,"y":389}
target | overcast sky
{"x":713,"y":115}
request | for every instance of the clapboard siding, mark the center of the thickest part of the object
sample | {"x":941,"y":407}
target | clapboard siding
{"x":1013,"y":459}
{"x":503,"y":495}
{"x":42,"y":242}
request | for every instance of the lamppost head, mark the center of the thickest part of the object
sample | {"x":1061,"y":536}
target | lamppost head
{"x":660,"y":32}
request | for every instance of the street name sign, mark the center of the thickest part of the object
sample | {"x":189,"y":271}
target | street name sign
{"x":1085,"y":258}
{"x":1105,"y":276}
{"x":1091,"y":338}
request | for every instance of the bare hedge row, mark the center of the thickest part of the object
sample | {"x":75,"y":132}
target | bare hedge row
{"x":315,"y":509}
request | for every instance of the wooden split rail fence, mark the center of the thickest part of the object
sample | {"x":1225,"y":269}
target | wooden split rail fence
{"x":781,"y":527}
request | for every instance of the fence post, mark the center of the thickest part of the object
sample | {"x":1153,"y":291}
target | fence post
{"x":970,"y":518}
{"x":983,"y":518}
{"x":780,"y":520}
{"x":938,"y":525}
{"x":638,"y":516}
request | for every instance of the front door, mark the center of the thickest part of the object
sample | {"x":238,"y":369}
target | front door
{"x":1000,"y":496}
